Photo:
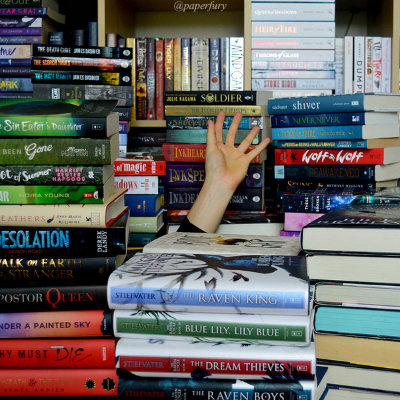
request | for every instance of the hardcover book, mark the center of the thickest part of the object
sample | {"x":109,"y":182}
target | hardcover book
{"x":236,"y":63}
{"x":265,"y":84}
{"x":179,"y":359}
{"x":236,"y":284}
{"x":200,"y":64}
{"x":201,"y":122}
{"x":186,"y":64}
{"x":151,"y":224}
{"x":140,"y":164}
{"x":151,"y":79}
{"x":141,"y":78}
{"x":159,"y":60}
{"x":292,"y":43}
{"x":292,"y":29}
{"x":338,"y":144}
{"x":215,"y":64}
{"x":208,"y":110}
{"x":141,"y":184}
{"x":169,"y":64}
{"x":198,"y":97}
{"x":12,"y":84}
{"x":298,"y":55}
{"x":143,"y":205}
{"x":295,"y":221}
{"x":178,"y":62}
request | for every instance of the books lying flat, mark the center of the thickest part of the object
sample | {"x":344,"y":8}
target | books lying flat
{"x":369,"y":229}
{"x":211,"y":283}
{"x":223,"y":244}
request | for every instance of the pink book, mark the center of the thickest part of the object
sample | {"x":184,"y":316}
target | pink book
{"x":295,"y":221}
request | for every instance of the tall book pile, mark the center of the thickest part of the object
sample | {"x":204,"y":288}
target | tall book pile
{"x":292,"y":45}
{"x":333,"y":150}
{"x":353,"y":260}
{"x":196,"y":316}
{"x":91,"y":73}
{"x":365,"y":64}
{"x":142,"y":175}
{"x":21,"y":24}
{"x":187,"y":114}
{"x":63,"y":229}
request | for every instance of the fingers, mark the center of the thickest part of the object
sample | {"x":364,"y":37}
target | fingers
{"x":218,"y":126}
{"x":249,"y":139}
{"x":230,"y":137}
{"x":257,"y":150}
{"x":211,"y":138}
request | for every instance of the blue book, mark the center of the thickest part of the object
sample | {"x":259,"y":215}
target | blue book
{"x":338,"y":103}
{"x":336,"y":132}
{"x":143,"y":205}
{"x":201,"y":122}
{"x":200,"y":136}
{"x":333,"y":119}
{"x":337,"y":144}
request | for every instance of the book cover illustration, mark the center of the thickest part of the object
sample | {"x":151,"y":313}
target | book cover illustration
{"x":204,"y":283}
{"x":223,"y":244}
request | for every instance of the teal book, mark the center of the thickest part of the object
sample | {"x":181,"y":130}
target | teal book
{"x":200,"y":136}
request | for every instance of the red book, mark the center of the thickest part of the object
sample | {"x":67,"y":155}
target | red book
{"x":385,"y":156}
{"x":58,"y":382}
{"x":169,"y":64}
{"x":57,"y":353}
{"x":137,"y":164}
{"x":186,"y":152}
{"x":159,"y":79}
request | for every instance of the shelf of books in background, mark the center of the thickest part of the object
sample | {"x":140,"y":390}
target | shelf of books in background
{"x":142,"y":175}
{"x":63,"y":230}
{"x":293,"y":45}
{"x":353,"y":260}
{"x":21,"y":24}
{"x":214,"y":318}
{"x":331,"y":150}
{"x":186,"y":115}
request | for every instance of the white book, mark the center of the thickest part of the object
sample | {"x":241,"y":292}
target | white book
{"x":289,"y":55}
{"x":339,"y":55}
{"x":180,"y":359}
{"x":359,"y":64}
{"x":227,"y":244}
{"x":348,"y":65}
{"x":236,"y":63}
{"x":386,"y":64}
{"x":292,"y":65}
{"x":145,"y":184}
{"x":272,"y":84}
{"x":260,"y":43}
{"x":368,"y":74}
{"x":292,"y":29}
{"x":377,"y":64}
{"x":200,"y":64}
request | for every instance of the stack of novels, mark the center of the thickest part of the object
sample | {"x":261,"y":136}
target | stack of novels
{"x":21,"y":24}
{"x":367,"y":65}
{"x":101,"y":73}
{"x":142,"y":174}
{"x":186,"y":118}
{"x":292,"y":45}
{"x":63,"y":230}
{"x":353,"y":260}
{"x":198,"y":313}
{"x":331,"y":148}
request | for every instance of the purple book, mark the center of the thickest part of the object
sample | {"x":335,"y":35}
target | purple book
{"x":20,"y":31}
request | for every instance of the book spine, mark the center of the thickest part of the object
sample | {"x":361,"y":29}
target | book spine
{"x":60,"y":298}
{"x":236,"y":63}
{"x":137,"y":184}
{"x":21,"y":31}
{"x":140,"y":239}
{"x":20,"y":39}
{"x":151,"y":79}
{"x":186,"y":64}
{"x":200,"y":136}
{"x":359,"y":64}
{"x":85,"y":77}
{"x":268,"y":84}
{"x":21,"y":3}
{"x":16,"y":95}
{"x":339,"y":65}
{"x":23,"y":12}
{"x":182,"y":198}
{"x":295,"y":221}
{"x":203,"y":389}
{"x":299,"y":55}
{"x":138,"y":167}
{"x":200,"y":64}
{"x":79,"y":38}
{"x":61,"y":151}
{"x":142,"y":205}
{"x":85,"y":52}
{"x":289,"y":184}
{"x":215,"y":64}
{"x":178,"y":62}
{"x":212,"y":111}
{"x":225,"y":61}
{"x":292,"y":65}
{"x":201,"y":122}
{"x":81,"y":64}
{"x":87,"y":323}
{"x":155,"y":139}
{"x":273,"y":74}
{"x":343,"y":132}
{"x":15,"y":71}
{"x":348,"y":64}
{"x":159,"y":65}
{"x":56,"y":38}
{"x":9,"y":84}
{"x":346,"y":172}
{"x":144,"y":224}
{"x":58,"y":353}
{"x":330,"y":119}
{"x":368,"y":74}
{"x":123,"y":128}
{"x":206,"y":98}
{"x":292,"y":29}
{"x":131,"y":43}
{"x":93,"y":33}
{"x":141,"y":80}
{"x":20,"y":22}
{"x":18,"y":272}
{"x":289,"y":233}
{"x":95,"y":382}
{"x":377,"y":64}
{"x":123,"y":94}
{"x":386,"y":64}
{"x":268,"y":43}
{"x":124,"y":113}
{"x":329,"y":157}
{"x":169,"y":64}
{"x":322,"y":144}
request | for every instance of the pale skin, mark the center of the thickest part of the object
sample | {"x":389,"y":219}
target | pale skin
{"x":226,"y":166}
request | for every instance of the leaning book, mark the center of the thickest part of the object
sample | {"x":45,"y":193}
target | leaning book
{"x":211,"y":283}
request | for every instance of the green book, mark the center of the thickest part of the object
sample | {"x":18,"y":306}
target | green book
{"x":147,"y":224}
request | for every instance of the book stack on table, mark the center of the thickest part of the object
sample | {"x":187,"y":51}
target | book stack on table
{"x":353,"y":260}
{"x":333,"y":150}
{"x":197,"y":314}
{"x":63,"y":229}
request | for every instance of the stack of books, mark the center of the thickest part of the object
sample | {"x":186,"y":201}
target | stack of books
{"x":353,"y":260}
{"x":331,"y":149}
{"x":197,"y":312}
{"x":292,"y":45}
{"x":63,"y":230}
{"x":142,"y":175}
{"x":21,"y":24}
